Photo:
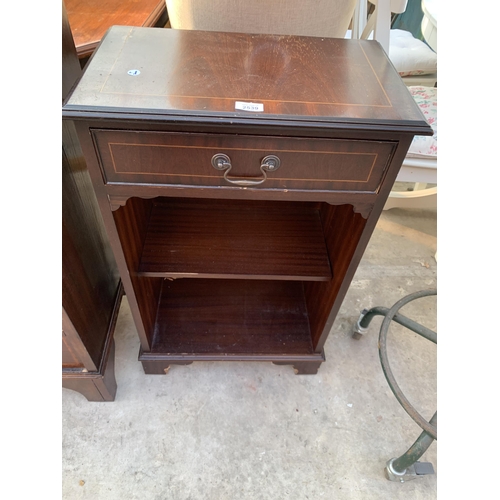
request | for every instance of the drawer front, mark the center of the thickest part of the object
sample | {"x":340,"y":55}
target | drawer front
{"x":250,"y":161}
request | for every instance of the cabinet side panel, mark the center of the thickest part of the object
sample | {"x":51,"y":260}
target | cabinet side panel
{"x":343,"y":229}
{"x":347,"y":234}
{"x":131,"y":223}
{"x":69,"y":358}
{"x":89,"y":276}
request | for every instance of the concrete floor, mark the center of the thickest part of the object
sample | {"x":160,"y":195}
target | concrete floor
{"x":229,"y":431}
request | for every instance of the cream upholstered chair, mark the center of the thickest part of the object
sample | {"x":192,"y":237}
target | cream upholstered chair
{"x":325,"y":18}
{"x":416,"y":63}
{"x":414,"y":60}
{"x":417,"y":66}
{"x":420,"y":164}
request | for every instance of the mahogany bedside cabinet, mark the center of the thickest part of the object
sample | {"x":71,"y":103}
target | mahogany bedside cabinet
{"x":91,"y":287}
{"x":239,"y":178}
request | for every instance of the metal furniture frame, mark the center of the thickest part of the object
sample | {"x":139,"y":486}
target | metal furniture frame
{"x":407,"y":465}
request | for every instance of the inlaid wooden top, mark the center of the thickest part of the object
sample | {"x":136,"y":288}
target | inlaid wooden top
{"x":163,"y":71}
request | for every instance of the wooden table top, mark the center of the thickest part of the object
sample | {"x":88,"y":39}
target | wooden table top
{"x":208,"y":73}
{"x":90,"y":19}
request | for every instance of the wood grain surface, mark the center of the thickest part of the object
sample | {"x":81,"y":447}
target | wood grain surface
{"x":230,"y":239}
{"x":131,"y":222}
{"x":232,"y":317}
{"x":203,"y":73}
{"x":173,"y":158}
{"x":91,"y":290}
{"x":90,"y":19}
{"x":342,"y":228}
{"x":149,"y":127}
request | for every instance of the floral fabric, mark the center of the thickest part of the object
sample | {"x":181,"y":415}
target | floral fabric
{"x":426,"y":98}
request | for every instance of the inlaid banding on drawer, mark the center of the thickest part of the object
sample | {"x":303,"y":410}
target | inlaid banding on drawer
{"x":185,"y":159}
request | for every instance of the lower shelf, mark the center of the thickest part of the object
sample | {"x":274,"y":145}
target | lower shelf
{"x":232,"y":319}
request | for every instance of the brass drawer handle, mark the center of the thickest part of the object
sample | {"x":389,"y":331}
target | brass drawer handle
{"x":270,"y":163}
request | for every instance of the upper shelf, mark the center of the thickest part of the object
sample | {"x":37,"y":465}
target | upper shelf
{"x":235,"y":239}
{"x":149,"y":71}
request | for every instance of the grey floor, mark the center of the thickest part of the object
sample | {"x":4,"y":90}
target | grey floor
{"x":220,"y":431}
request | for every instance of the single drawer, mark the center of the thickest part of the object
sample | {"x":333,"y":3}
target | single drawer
{"x":236,"y":160}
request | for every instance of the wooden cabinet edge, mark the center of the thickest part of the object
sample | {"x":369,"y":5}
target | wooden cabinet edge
{"x":98,"y":385}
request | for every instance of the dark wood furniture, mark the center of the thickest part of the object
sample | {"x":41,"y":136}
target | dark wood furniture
{"x":90,"y":19}
{"x":91,"y":288}
{"x":237,"y":233}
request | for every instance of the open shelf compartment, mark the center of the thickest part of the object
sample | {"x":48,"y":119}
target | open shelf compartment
{"x":234,"y":239}
{"x":231,"y":318}
{"x":262,"y":287}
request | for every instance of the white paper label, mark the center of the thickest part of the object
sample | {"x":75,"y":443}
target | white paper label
{"x":249,"y":106}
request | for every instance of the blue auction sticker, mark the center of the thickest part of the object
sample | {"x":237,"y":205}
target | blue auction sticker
{"x":134,"y":72}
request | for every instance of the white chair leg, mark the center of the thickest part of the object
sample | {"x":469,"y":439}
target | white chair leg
{"x":359,"y":19}
{"x":423,"y":199}
{"x":382,"y":28}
